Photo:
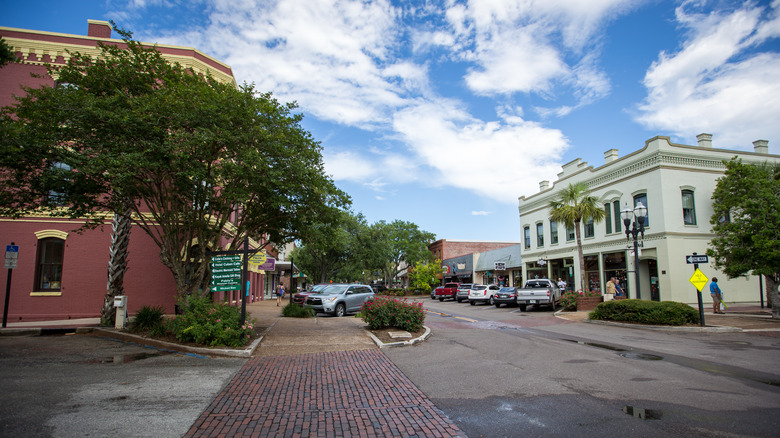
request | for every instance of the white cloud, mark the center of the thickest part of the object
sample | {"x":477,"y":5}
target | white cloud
{"x":715,"y":83}
{"x":480,"y":213}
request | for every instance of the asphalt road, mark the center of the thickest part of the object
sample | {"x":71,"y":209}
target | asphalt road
{"x":88,"y":386}
{"x":501,"y":372}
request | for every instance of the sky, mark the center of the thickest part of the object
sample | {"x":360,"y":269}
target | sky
{"x":443,"y":112}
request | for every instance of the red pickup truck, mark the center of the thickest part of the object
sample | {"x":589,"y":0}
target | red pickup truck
{"x":448,"y":291}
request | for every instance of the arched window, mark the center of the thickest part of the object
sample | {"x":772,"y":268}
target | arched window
{"x":48,"y":264}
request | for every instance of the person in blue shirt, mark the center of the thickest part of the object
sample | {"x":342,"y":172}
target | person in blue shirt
{"x":716,"y":294}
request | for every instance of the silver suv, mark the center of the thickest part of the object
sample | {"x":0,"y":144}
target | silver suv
{"x":463,"y":292}
{"x":340,"y":299}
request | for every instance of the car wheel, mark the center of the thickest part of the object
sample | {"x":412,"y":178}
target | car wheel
{"x":459,"y":300}
{"x":490,"y":301}
{"x":472,"y":303}
{"x":441,"y":300}
{"x":523,"y":307}
{"x":340,"y":310}
{"x":498,"y":305}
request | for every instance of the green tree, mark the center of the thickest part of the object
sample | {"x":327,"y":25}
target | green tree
{"x":6,"y":53}
{"x":194,"y":157}
{"x":746,"y":223}
{"x":422,"y":276}
{"x":574,"y":206}
{"x":399,"y":244}
{"x":326,"y":247}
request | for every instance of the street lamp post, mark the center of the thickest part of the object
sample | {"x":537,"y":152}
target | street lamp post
{"x":639,"y":213}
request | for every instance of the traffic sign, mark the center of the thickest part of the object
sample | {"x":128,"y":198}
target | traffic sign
{"x":693,"y":259}
{"x":698,"y":279}
{"x":11,"y":256}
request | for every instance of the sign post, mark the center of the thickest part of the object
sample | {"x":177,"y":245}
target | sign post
{"x":230,"y":274}
{"x":698,"y":279}
{"x":11,"y":260}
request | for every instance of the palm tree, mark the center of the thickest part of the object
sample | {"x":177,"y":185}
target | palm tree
{"x":574,"y":206}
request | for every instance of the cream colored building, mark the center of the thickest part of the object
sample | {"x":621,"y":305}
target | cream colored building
{"x":676,"y":183}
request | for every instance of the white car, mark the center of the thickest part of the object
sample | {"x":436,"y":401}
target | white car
{"x":481,"y":293}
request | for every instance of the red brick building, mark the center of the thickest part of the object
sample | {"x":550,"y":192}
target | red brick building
{"x":62,"y":274}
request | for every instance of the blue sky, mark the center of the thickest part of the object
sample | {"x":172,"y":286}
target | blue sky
{"x":444,"y":112}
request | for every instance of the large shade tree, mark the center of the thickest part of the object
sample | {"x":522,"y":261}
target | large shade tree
{"x":574,"y":206}
{"x":201,"y":165}
{"x":746,"y":223}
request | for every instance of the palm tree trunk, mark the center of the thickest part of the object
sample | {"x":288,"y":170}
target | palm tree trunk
{"x":117,"y":263}
{"x":580,"y":255}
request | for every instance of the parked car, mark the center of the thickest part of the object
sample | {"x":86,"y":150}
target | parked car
{"x":340,"y":299}
{"x":378,"y":288}
{"x":506,"y":295}
{"x":463,"y":292}
{"x":300,"y":297}
{"x":480,"y":293}
{"x":447,"y":291}
{"x":539,"y":292}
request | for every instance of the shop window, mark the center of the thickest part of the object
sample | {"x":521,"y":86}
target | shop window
{"x":616,"y":211}
{"x":589,"y":228}
{"x":689,"y":210}
{"x":643,"y":199}
{"x":527,"y":236}
{"x":48,"y":264}
{"x":608,"y":217}
{"x":553,"y":232}
{"x":539,"y":235}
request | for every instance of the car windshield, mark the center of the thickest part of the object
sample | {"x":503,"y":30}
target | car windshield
{"x":465,"y":286}
{"x":507,"y":289}
{"x":333,"y":289}
{"x":479,"y":287}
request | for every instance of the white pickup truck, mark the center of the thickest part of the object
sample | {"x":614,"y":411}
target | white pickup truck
{"x":539,"y":292}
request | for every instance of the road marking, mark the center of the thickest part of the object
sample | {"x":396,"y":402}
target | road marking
{"x":448,"y":315}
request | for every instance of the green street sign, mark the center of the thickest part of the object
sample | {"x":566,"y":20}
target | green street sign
{"x":226,"y":273}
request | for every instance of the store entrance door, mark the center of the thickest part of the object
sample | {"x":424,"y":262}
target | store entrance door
{"x":652,"y":269}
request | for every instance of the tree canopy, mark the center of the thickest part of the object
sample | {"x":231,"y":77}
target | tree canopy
{"x":575,"y":205}
{"x":746,"y":223}
{"x":205,"y":164}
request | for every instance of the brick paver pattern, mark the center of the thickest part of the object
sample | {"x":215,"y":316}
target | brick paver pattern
{"x":339,"y":394}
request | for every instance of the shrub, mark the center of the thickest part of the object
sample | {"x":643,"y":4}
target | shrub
{"x":297,"y":311}
{"x":205,"y":322}
{"x":646,"y":312}
{"x":569,"y":298}
{"x":148,"y":318}
{"x":384,"y":312}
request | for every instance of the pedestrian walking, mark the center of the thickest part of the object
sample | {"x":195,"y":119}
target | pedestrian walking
{"x":561,"y":285}
{"x":279,"y":294}
{"x":610,"y":294}
{"x":618,"y":289}
{"x":717,"y":296}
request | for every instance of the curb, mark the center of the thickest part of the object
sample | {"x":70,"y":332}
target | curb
{"x":381,"y":344}
{"x":717,"y":329}
{"x":128,"y":337}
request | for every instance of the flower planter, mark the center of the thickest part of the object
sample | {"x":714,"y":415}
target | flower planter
{"x":588,"y":303}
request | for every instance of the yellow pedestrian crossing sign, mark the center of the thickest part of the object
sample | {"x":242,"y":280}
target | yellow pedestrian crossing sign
{"x":698,"y":279}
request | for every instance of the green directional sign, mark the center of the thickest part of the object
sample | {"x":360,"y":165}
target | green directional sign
{"x":225,"y":273}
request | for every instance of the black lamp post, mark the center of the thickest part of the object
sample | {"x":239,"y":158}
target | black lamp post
{"x":639,"y":213}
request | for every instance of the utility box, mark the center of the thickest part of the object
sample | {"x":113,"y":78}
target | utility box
{"x":120,"y":302}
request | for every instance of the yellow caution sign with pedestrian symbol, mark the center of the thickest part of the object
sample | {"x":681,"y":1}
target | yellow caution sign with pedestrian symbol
{"x":698,"y":279}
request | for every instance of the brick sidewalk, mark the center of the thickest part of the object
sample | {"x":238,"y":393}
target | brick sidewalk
{"x":335,"y":394}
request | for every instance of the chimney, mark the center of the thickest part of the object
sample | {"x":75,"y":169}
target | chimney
{"x":705,"y":140}
{"x":761,"y":146}
{"x":99,"y":29}
{"x":610,"y":155}
{"x":544,"y":185}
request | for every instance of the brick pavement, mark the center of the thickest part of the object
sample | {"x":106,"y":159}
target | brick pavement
{"x":333,"y":394}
